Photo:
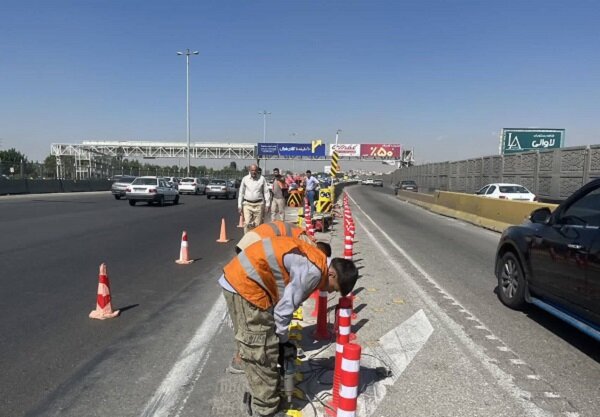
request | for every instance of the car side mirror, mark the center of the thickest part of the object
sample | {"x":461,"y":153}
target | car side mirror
{"x":541,"y":215}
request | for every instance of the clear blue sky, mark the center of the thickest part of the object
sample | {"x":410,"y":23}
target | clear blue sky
{"x":440,"y":76}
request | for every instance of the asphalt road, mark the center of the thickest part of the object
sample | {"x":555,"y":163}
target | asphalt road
{"x":50,"y":250}
{"x":56,"y":361}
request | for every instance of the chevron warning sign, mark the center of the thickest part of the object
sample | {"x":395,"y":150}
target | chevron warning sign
{"x":335,"y":165}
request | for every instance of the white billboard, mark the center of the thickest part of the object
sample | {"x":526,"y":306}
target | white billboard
{"x":345,"y":149}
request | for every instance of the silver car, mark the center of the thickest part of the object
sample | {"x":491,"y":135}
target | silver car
{"x":120,"y":184}
{"x":220,"y":188}
{"x":151,"y":190}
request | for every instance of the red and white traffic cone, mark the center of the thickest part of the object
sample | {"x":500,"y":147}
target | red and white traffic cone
{"x":350,"y":377}
{"x":344,"y":324}
{"x":103,"y":300}
{"x":184,"y":256}
{"x":348,"y":245}
{"x":322,"y":333}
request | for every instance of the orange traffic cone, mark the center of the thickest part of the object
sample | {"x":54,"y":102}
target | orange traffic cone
{"x":241,"y":223}
{"x":184,"y":258}
{"x":223,"y":237}
{"x":103,"y":305}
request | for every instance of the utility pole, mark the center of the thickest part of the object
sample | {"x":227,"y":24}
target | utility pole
{"x":264,"y":114}
{"x":337,"y":133}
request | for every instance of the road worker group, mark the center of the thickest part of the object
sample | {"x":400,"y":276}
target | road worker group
{"x":275,"y":269}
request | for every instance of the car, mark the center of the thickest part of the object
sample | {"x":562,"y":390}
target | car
{"x":553,"y":261}
{"x":220,"y":188}
{"x":367,"y":181}
{"x":120,"y":184}
{"x":406,"y":185}
{"x":192,"y":185}
{"x":506,"y":192}
{"x":377,"y":183}
{"x":151,"y":190}
{"x":174,"y":181}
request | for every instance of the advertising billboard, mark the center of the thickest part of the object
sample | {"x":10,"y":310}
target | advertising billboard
{"x":314,"y":149}
{"x":345,"y":149}
{"x":521,"y":140}
{"x":380,"y":151}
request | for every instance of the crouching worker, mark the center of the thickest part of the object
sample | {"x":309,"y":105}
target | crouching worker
{"x":263,"y":286}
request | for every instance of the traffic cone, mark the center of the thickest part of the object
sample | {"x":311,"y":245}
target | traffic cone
{"x":223,"y":237}
{"x":103,"y":305}
{"x":241,"y":223}
{"x":184,"y":258}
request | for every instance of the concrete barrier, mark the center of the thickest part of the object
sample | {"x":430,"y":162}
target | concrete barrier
{"x":43,"y":186}
{"x":13,"y":187}
{"x":491,"y":213}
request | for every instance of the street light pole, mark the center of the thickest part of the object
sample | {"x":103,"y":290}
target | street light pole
{"x":187,"y":54}
{"x":337,"y":133}
{"x":264,"y":113}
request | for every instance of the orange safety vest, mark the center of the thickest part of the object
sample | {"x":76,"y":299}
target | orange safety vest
{"x":258,"y":273}
{"x":277,"y":228}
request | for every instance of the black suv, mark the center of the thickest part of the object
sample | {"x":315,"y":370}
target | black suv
{"x":553,"y":261}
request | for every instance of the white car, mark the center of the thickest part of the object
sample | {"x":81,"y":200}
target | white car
{"x":192,"y":185}
{"x":367,"y":181}
{"x":151,"y":190}
{"x":507,"y":192}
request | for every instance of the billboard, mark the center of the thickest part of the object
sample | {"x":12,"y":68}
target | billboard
{"x":521,"y":140}
{"x":345,"y":149}
{"x":314,"y":149}
{"x":380,"y":151}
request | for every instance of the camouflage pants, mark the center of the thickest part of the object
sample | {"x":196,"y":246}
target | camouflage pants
{"x":254,"y":331}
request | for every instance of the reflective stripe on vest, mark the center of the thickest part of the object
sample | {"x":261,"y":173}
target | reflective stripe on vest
{"x":273,"y":226}
{"x":277,"y":273}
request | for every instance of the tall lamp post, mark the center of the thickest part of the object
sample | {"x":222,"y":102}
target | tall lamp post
{"x":337,"y":134}
{"x":187,"y":54}
{"x":264,"y":114}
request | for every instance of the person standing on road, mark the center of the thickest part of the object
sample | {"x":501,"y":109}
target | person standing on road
{"x":253,"y":198}
{"x":263,"y":286}
{"x":278,"y":203}
{"x":311,"y":184}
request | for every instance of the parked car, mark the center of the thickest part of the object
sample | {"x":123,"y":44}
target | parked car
{"x":406,"y":185}
{"x":553,"y":261}
{"x":192,"y":185}
{"x":367,"y":181}
{"x":119,"y":187}
{"x":220,"y":188}
{"x":377,"y":183}
{"x":151,"y":190}
{"x":506,"y":192}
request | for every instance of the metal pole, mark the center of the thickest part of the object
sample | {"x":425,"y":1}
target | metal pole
{"x":187,"y":100}
{"x":337,"y":133}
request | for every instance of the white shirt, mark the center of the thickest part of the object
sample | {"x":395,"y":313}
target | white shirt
{"x":253,"y":190}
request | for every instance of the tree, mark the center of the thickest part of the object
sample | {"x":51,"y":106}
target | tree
{"x":14,"y":159}
{"x":233,"y":166}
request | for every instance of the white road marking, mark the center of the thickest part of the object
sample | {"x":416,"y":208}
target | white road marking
{"x":503,"y":379}
{"x":397,"y":349}
{"x":175,"y":389}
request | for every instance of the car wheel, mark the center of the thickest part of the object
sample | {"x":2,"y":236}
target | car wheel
{"x":161,"y":201}
{"x":511,"y":281}
{"x":117,"y":197}
{"x":207,"y":197}
{"x":176,"y":200}
{"x":132,"y":202}
{"x":196,"y":191}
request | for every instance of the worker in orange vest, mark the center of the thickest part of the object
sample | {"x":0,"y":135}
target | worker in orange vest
{"x":272,"y":229}
{"x":263,"y":286}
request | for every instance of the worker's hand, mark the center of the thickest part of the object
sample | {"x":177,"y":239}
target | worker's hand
{"x":240,"y":211}
{"x":287,"y":351}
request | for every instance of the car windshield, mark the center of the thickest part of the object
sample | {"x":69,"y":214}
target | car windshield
{"x":408,"y":183}
{"x":144,"y":181}
{"x":513,"y":189}
{"x":187,"y":180}
{"x":218,"y":182}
